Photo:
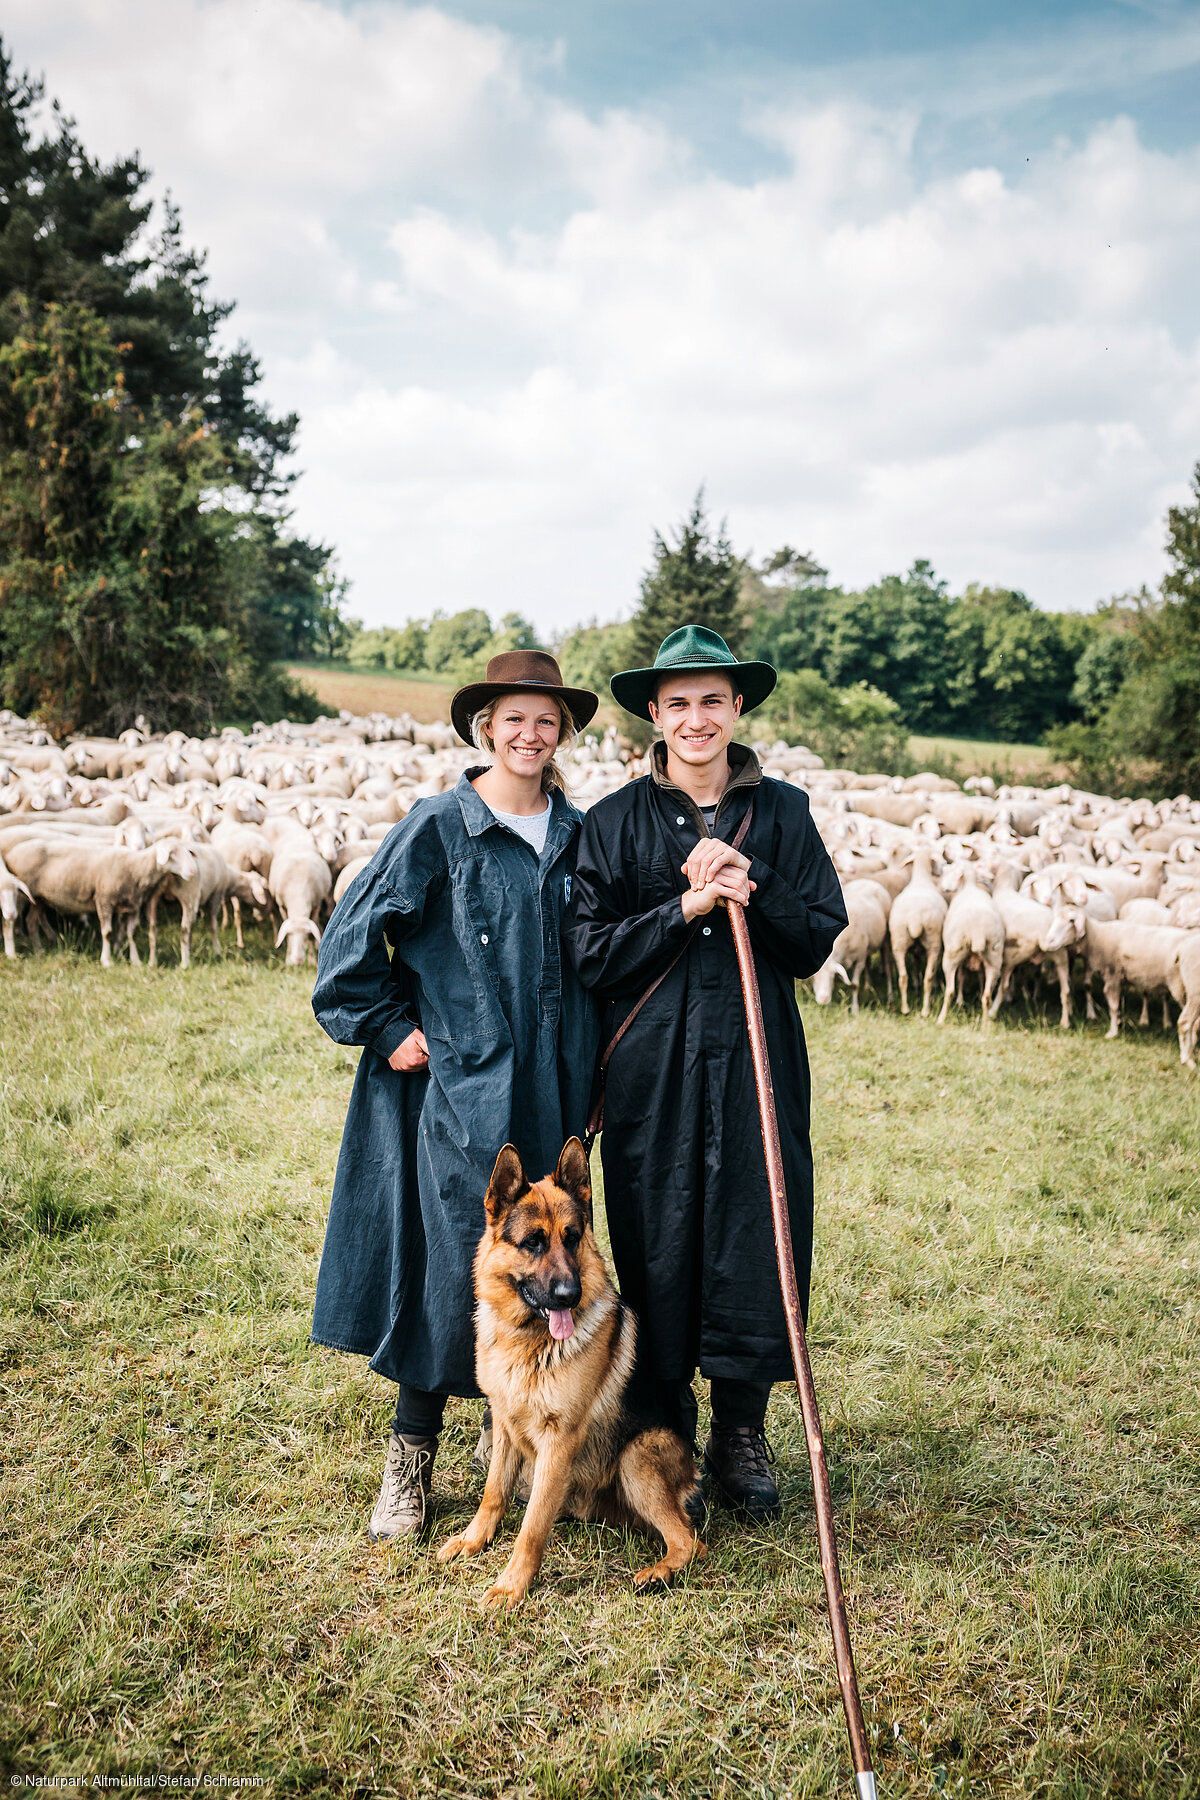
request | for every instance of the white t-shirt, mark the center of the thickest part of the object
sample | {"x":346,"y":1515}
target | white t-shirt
{"x":531,"y":826}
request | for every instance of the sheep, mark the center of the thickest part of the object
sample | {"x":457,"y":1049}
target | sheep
{"x":1187,"y":968}
{"x":77,"y":879}
{"x":300,"y":884}
{"x":896,"y":809}
{"x":346,"y":876}
{"x":1138,"y":877}
{"x":917,"y":916}
{"x":13,"y":893}
{"x":248,"y":851}
{"x":1033,"y":932}
{"x":207,"y":886}
{"x":972,"y":938}
{"x":1144,"y":957}
{"x":867,"y":907}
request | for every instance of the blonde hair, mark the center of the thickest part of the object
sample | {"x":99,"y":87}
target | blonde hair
{"x":552,"y":776}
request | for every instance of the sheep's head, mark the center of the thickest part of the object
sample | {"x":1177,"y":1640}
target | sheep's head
{"x":823,"y":981}
{"x":297,"y":933}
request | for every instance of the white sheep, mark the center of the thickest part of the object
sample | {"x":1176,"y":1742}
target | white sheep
{"x":76,"y":879}
{"x":972,"y":938}
{"x":867,"y":907}
{"x":917,"y":916}
{"x":1034,"y":933}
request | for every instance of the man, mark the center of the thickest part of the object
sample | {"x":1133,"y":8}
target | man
{"x":684,"y":1174}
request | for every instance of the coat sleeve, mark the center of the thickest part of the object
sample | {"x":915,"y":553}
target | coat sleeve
{"x":616,"y":952}
{"x":797,"y":909}
{"x":362,"y":995}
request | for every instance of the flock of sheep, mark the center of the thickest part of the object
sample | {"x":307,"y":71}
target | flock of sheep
{"x":1010,"y":883}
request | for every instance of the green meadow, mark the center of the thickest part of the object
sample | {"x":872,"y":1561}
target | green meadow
{"x":1006,"y":1341}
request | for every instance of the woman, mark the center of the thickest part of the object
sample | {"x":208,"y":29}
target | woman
{"x":476,"y":1033}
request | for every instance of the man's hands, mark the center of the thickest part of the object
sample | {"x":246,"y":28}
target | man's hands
{"x":715,"y":871}
{"x":412,"y":1056}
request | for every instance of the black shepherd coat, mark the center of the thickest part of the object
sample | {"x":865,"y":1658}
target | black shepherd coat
{"x":684,"y":1174}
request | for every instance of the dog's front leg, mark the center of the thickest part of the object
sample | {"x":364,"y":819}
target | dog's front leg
{"x":551,"y":1479}
{"x":497,"y":1492}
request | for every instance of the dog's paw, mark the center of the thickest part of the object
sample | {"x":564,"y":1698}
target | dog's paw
{"x":657,"y":1575}
{"x":504,"y":1594}
{"x":458,"y":1545}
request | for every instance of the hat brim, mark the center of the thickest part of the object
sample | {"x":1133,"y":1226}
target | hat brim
{"x":579,"y":702}
{"x":635,"y":688}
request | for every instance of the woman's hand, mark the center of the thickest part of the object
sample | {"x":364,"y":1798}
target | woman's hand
{"x":412,"y":1056}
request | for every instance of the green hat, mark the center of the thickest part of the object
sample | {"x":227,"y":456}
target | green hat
{"x":692,"y":649}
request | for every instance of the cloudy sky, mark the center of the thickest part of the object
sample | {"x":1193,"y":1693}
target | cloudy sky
{"x":890,"y":280}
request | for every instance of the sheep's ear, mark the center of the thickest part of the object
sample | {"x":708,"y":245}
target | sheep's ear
{"x":162,"y":853}
{"x":838,"y":970}
{"x":507,"y":1185}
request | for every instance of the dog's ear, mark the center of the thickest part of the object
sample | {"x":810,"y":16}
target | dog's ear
{"x":574,"y":1176}
{"x":507,"y":1185}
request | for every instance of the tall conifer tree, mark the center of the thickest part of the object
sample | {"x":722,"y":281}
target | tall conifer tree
{"x":694,"y":581}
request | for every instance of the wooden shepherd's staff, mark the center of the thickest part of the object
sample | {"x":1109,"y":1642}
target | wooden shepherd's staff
{"x":847,"y":1680}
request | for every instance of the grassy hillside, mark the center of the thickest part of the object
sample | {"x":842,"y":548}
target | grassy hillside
{"x":1005,"y":1333}
{"x":1020,"y":762}
{"x":369,"y":690}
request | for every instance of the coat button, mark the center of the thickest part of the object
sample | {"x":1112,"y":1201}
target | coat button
{"x":708,"y":931}
{"x":483,"y":937}
{"x":680,"y":820}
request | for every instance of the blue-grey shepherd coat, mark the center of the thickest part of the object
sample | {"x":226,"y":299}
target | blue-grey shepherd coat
{"x":472,"y":919}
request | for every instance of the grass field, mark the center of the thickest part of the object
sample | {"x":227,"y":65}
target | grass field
{"x":374,"y":690}
{"x":1005,"y":1336}
{"x":1020,"y":762}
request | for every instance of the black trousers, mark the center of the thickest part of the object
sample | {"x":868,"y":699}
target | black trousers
{"x":669,"y":1403}
{"x":418,"y":1414}
{"x":673,"y":1404}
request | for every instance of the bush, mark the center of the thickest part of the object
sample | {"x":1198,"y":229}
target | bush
{"x":854,"y":727}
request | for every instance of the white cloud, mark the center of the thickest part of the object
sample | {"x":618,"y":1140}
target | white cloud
{"x":853,"y":357}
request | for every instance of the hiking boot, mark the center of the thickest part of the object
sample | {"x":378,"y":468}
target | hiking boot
{"x":403,"y":1501}
{"x":738,"y":1463}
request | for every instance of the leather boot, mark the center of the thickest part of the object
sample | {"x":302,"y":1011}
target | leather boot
{"x":737,"y":1464}
{"x":403,"y":1502}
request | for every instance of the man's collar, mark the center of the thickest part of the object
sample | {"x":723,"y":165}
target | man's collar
{"x":745,"y":770}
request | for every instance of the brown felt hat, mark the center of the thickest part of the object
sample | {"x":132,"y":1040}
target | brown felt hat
{"x":509,"y":673}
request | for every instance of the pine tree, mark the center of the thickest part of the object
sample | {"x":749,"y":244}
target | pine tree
{"x":695,"y":581}
{"x":123,"y":588}
{"x":75,"y":245}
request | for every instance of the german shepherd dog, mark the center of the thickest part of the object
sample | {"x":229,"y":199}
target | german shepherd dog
{"x":553,"y":1353}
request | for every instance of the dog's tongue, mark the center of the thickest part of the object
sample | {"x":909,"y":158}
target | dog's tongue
{"x":562,"y":1325}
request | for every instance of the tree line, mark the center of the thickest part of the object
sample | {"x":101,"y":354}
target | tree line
{"x":1114,"y":693}
{"x":147,"y":559}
